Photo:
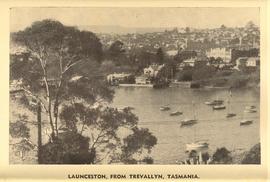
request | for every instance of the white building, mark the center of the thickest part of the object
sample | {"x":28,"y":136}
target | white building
{"x":117,"y":77}
{"x":152,"y":70}
{"x":251,"y":62}
{"x":223,"y":53}
{"x":142,"y":80}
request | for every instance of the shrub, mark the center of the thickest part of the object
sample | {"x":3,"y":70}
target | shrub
{"x":253,"y":156}
{"x":222,"y":156}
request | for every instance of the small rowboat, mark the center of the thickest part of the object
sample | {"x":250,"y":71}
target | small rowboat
{"x":164,"y":108}
{"x":188,"y":122}
{"x":230,"y":115}
{"x":219,"y":107}
{"x":176,"y":113}
{"x":250,"y":111}
{"x":246,"y":122}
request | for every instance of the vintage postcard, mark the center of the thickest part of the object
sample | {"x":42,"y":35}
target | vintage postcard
{"x":135,"y":91}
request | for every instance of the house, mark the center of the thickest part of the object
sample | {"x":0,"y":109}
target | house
{"x":253,"y":62}
{"x":224,"y":53}
{"x":249,"y":62}
{"x":117,"y":78}
{"x":141,"y":80}
{"x":187,"y":63}
{"x":152,"y":70}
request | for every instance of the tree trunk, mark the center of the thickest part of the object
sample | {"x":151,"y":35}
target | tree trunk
{"x":39,"y":132}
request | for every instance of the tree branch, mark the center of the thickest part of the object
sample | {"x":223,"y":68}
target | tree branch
{"x":35,"y":97}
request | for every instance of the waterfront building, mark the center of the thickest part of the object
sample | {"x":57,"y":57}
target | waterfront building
{"x":142,"y":80}
{"x":116,"y":78}
{"x":250,"y":62}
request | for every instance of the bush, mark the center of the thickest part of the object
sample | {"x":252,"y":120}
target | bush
{"x":222,"y":156}
{"x":185,"y":75}
{"x":203,"y":72}
{"x":253,"y":156}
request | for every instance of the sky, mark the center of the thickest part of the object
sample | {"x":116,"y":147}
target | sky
{"x":21,"y":18}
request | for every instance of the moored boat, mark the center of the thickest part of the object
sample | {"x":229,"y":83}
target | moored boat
{"x":214,"y":102}
{"x":219,"y":107}
{"x":176,"y":113}
{"x":250,"y":111}
{"x":246,"y":122}
{"x":230,"y":115}
{"x":164,"y":108}
{"x":188,"y":122}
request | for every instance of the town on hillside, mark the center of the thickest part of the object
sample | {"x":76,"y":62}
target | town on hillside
{"x":184,"y":56}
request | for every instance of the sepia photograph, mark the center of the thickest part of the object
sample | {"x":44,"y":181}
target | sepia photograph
{"x":134,"y":85}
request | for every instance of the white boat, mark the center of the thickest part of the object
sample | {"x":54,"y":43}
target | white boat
{"x":219,"y":107}
{"x":176,"y":113}
{"x":164,"y":108}
{"x":188,"y":122}
{"x":196,"y":146}
{"x":250,"y":107}
{"x":250,"y":111}
{"x":214,"y":102}
{"x":246,"y":122}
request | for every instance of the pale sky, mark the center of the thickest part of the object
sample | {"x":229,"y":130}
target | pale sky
{"x":137,"y":17}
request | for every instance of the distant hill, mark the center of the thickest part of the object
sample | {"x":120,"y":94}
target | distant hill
{"x":120,"y":29}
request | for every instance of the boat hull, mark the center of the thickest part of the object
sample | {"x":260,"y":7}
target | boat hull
{"x":247,"y":122}
{"x":176,"y":113}
{"x":188,"y":122}
{"x":230,"y":115}
{"x":218,"y":107}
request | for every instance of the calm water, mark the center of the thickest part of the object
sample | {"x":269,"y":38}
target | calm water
{"x":212,"y":126}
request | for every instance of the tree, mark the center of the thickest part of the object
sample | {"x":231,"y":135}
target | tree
{"x":62,"y":73}
{"x":116,"y":53}
{"x":160,"y":56}
{"x":55,"y":50}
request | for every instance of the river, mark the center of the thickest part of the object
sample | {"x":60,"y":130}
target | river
{"x":212,"y":125}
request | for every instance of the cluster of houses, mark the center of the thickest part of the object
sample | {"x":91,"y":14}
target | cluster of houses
{"x":125,"y":78}
{"x":220,"y":58}
{"x":217,"y":57}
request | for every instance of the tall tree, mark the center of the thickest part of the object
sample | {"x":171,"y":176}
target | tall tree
{"x":54,"y":52}
{"x":60,"y":70}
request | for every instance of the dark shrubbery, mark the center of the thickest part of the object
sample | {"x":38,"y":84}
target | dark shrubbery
{"x":70,"y":148}
{"x":222,"y":156}
{"x":253,"y":156}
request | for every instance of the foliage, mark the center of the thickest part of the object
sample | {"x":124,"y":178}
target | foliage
{"x":18,"y":129}
{"x":183,"y":55}
{"x":61,"y":70}
{"x":69,"y":148}
{"x":160,"y":56}
{"x":203,"y":72}
{"x":222,"y":156}
{"x":104,"y":124}
{"x":185,"y":75}
{"x":55,"y":55}
{"x":253,"y":156}
{"x":205,"y":157}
